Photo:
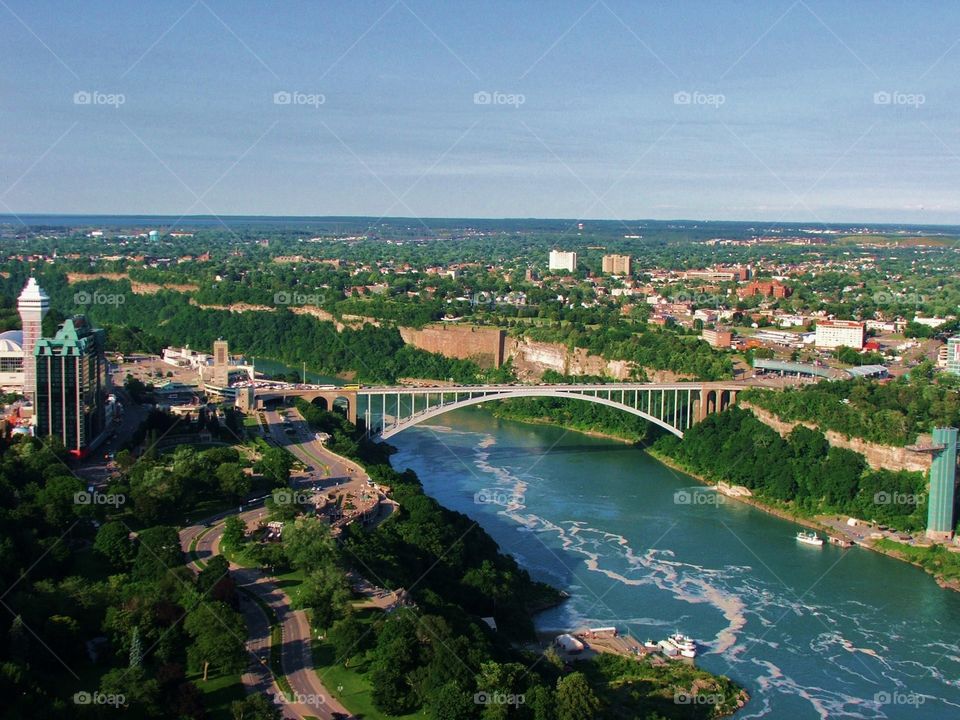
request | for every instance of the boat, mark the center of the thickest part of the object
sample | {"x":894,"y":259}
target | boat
{"x":809,"y":538}
{"x":685,"y":645}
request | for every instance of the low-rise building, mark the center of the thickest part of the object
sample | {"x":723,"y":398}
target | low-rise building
{"x":717,"y":338}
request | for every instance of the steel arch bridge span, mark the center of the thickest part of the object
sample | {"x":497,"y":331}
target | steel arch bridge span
{"x":673,"y":407}
{"x":390,"y":430}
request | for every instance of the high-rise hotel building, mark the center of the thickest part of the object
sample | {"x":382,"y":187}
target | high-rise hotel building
{"x":71,"y":385}
{"x":33,"y":304}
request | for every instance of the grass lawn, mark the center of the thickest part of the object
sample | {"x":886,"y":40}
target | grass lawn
{"x":355,"y":694}
{"x":218,"y":692}
{"x":936,"y":560}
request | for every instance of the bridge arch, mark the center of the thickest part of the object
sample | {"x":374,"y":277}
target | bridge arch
{"x":432,"y":412}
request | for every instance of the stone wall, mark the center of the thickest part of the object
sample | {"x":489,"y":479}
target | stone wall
{"x":482,"y":345}
{"x":878,"y":457}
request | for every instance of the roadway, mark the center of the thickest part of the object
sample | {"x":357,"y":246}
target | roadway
{"x":311,"y":698}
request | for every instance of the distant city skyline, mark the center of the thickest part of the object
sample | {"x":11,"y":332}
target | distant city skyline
{"x":799,"y":112}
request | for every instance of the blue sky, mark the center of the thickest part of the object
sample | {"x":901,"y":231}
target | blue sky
{"x":774,"y":110}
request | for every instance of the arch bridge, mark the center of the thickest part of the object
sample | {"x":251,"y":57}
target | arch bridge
{"x":387,"y":411}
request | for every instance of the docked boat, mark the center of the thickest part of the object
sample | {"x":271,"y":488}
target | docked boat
{"x":809,"y":538}
{"x":685,"y":645}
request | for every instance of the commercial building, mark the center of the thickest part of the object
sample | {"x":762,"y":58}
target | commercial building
{"x":943,"y":478}
{"x":11,"y":361}
{"x":560,"y":260}
{"x":71,"y":385}
{"x":33,"y":304}
{"x":953,"y":355}
{"x":836,"y":333}
{"x":717,"y":338}
{"x":765,"y":288}
{"x":616,"y":264}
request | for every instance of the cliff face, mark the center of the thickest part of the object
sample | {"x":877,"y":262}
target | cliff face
{"x":877,"y":456}
{"x":490,"y":347}
{"x":482,"y":345}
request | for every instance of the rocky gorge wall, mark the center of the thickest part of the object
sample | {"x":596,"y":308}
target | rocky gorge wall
{"x":878,"y":457}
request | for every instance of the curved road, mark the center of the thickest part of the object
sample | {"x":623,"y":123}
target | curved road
{"x":311,"y":699}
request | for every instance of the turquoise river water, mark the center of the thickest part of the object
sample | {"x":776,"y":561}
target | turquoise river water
{"x":810,"y":632}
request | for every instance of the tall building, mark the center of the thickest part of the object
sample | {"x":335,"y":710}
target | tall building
{"x":33,"y":304}
{"x":834,"y":333}
{"x":71,"y":385}
{"x":953,"y":355}
{"x":943,"y":478}
{"x":616,"y":264}
{"x":560,"y":260}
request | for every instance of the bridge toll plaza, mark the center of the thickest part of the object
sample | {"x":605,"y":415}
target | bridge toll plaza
{"x":387,"y":411}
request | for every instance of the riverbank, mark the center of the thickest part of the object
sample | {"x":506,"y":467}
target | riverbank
{"x":926,"y":558}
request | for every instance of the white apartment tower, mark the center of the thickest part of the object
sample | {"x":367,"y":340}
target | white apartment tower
{"x":33,"y":304}
{"x":560,"y":260}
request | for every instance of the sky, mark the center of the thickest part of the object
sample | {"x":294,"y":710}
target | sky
{"x":774,"y":110}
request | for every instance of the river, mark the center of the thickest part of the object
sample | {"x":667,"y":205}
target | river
{"x":810,"y":632}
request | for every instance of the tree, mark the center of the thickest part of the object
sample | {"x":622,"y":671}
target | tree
{"x":158,"y":553}
{"x":255,"y":707}
{"x":575,"y":699}
{"x":451,"y":702}
{"x":346,"y":636}
{"x":275,"y":464}
{"x":219,"y":638}
{"x":326,"y":593}
{"x":113,"y":543}
{"x":234,"y":533}
{"x":234,"y":482}
{"x":215,"y":583}
{"x":308,"y":543}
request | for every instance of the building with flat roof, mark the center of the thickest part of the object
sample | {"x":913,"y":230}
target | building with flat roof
{"x":616,"y":264}
{"x":71,"y":385}
{"x":836,"y":333}
{"x":943,"y":479}
{"x":560,"y":260}
{"x":953,"y":355}
{"x":717,"y":338}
